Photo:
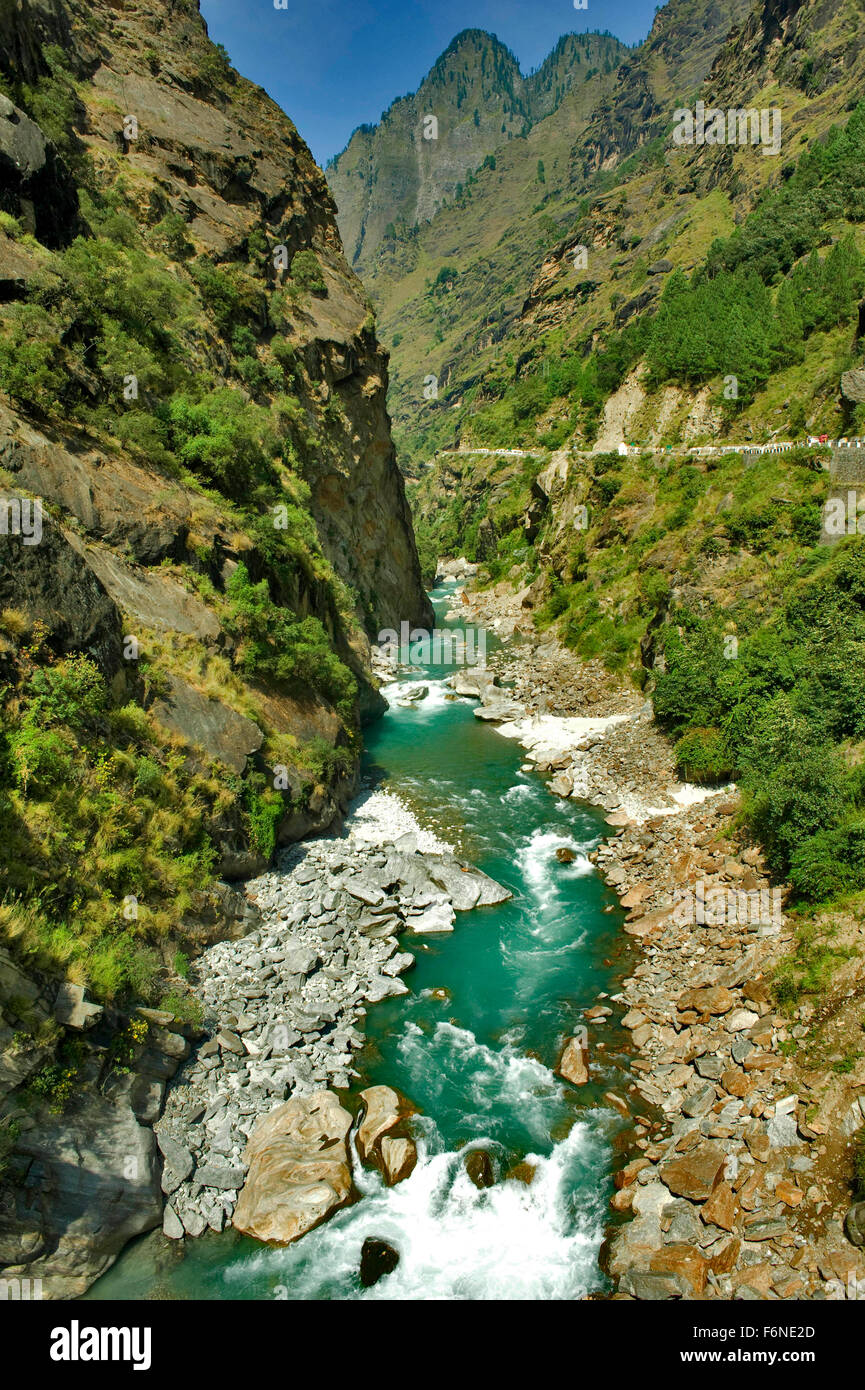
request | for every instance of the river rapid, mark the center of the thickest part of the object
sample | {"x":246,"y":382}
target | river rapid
{"x":473,"y":1046}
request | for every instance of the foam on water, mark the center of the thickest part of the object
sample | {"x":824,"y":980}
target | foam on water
{"x":510,"y":1241}
{"x":434,"y":700}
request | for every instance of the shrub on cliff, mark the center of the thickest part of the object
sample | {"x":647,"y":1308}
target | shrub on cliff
{"x":306,"y":273}
{"x":290,"y":650}
{"x":224,"y":440}
{"x":702,"y":756}
{"x":829,"y":863}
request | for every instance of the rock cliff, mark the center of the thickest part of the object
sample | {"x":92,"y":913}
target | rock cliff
{"x":201,"y":525}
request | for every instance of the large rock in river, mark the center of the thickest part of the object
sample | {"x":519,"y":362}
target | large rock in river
{"x":377,"y":1258}
{"x":386,"y":1111}
{"x":299,"y":1169}
{"x":574,"y":1065}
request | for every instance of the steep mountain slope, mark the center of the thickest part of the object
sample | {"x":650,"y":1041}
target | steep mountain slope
{"x":721,"y":298}
{"x":498,"y":235}
{"x":656,"y":209}
{"x":201,"y":524}
{"x":395,"y":175}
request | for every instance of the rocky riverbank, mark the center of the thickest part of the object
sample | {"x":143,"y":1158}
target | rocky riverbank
{"x":284,"y":1006}
{"x":733,"y":1168}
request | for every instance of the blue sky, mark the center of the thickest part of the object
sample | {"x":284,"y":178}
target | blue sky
{"x":333,"y":64}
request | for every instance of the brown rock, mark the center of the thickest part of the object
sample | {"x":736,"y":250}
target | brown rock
{"x":788,"y":1193}
{"x":622,"y":1199}
{"x":750,"y":1190}
{"x":695,"y":1173}
{"x":736,"y":1082}
{"x":574,"y":1064}
{"x":720,"y":1209}
{"x":627,"y":1175}
{"x":636,"y":895}
{"x":398,"y":1159}
{"x":757,"y":1277}
{"x":633,"y":1019}
{"x":523,"y":1172}
{"x":725,"y":1260}
{"x":684,"y":1260}
{"x":299,"y":1170}
{"x":711,"y":999}
{"x":384,"y":1109}
{"x":479,"y":1167}
{"x":618,"y":1104}
{"x":758,"y":1143}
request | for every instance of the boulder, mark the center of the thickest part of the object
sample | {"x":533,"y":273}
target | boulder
{"x":398,"y":1159}
{"x":465,"y":886}
{"x":694,"y":1174}
{"x":377,"y":1258}
{"x":854,"y":1224}
{"x":479,"y":1167}
{"x":574,"y":1064}
{"x":172,"y":1226}
{"x":437,"y":917}
{"x":90,"y":1182}
{"x":853,"y":385}
{"x":710,"y":999}
{"x":299,"y":1170}
{"x":72,"y":1009}
{"x":384,"y":1109}
{"x":473,"y":682}
{"x":384,"y":987}
{"x":684,"y":1262}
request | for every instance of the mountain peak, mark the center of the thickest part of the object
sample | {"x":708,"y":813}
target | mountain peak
{"x":395,"y":175}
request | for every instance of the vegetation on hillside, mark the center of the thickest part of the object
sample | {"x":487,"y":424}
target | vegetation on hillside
{"x":138,"y":341}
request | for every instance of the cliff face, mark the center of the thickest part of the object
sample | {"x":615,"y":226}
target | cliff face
{"x":212,"y":150}
{"x":201,"y":525}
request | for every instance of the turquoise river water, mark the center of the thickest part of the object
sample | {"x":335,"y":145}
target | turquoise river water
{"x":477,"y":1061}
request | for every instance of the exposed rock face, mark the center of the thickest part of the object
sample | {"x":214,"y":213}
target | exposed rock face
{"x":229,"y":171}
{"x":84,"y":1178}
{"x":216,"y":161}
{"x":853,"y":385}
{"x":298,"y":1169}
{"x":54,"y":585}
{"x":221,"y":732}
{"x":91,"y":1184}
{"x":36,"y":185}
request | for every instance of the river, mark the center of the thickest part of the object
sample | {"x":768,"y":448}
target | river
{"x":473,"y":1046}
